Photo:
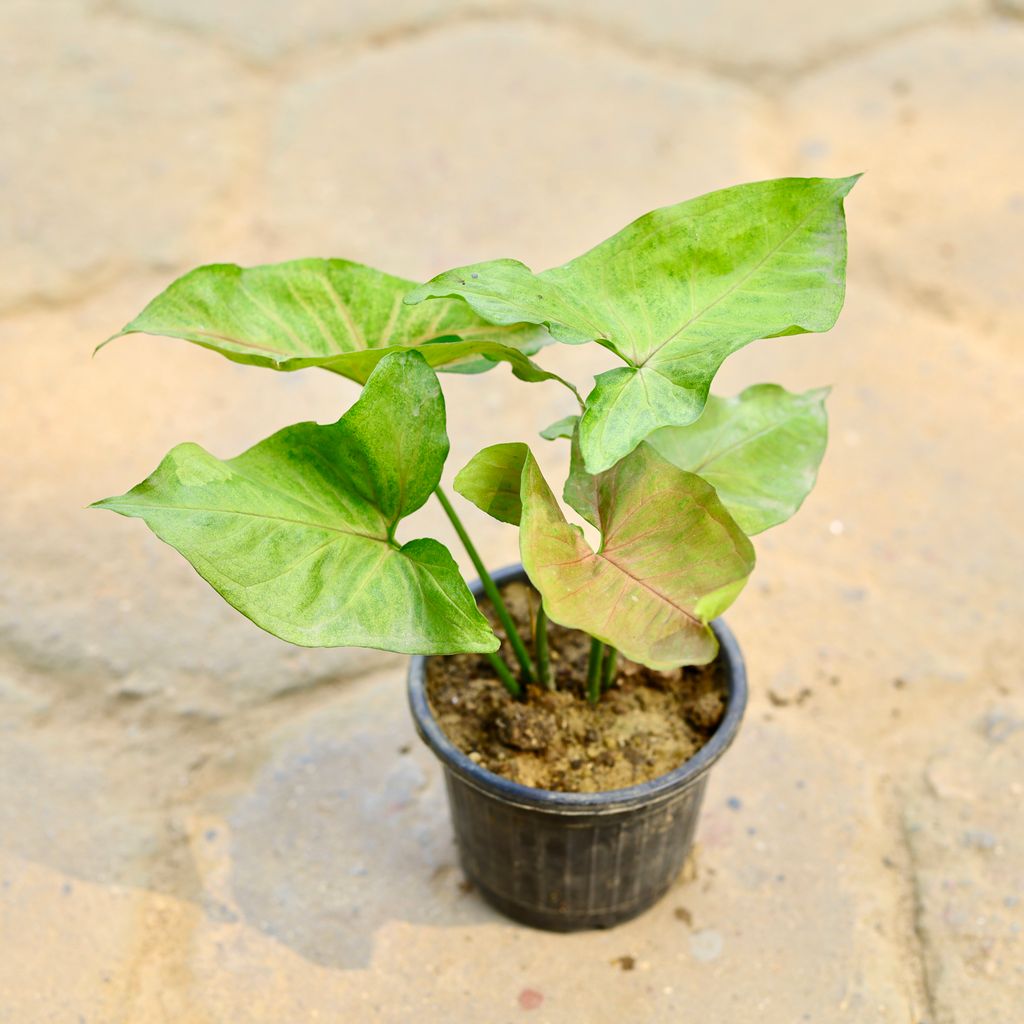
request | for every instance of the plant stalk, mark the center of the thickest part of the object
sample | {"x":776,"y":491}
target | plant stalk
{"x":594,"y":671}
{"x":502,"y":671}
{"x":540,"y":649}
{"x":522,"y":655}
{"x":608,"y":668}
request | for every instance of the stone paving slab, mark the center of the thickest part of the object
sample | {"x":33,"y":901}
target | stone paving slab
{"x":928,"y":118}
{"x":893,"y":537}
{"x":121,"y":153}
{"x":321,"y":878}
{"x":746,"y":38}
{"x":966,"y":839}
{"x":739,"y":35}
{"x":469,"y":144}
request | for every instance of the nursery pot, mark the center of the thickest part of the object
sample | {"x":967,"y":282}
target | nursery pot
{"x":569,"y":861}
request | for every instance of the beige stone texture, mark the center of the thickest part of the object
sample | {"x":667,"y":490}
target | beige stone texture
{"x":743,"y":37}
{"x":265,"y":30}
{"x":411,"y":155}
{"x":933,"y":120}
{"x":122,"y":149}
{"x":200,"y":824}
{"x":740,"y":37}
{"x":316,"y":874}
{"x":961,"y":820}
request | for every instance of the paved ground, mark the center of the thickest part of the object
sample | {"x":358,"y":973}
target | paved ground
{"x":200,"y":825}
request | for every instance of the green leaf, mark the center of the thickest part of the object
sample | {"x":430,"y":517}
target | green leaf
{"x":297,"y":533}
{"x":627,"y":405}
{"x":565,"y":427}
{"x":675,"y":293}
{"x":760,"y":451}
{"x":491,"y":480}
{"x":581,"y":491}
{"x":671,"y":557}
{"x":333,"y":314}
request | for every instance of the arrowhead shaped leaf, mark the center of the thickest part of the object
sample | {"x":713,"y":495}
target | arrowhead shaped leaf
{"x":297,"y":533}
{"x":625,"y":406}
{"x":582,"y":489}
{"x":491,"y":480}
{"x":674,"y":294}
{"x":333,"y":314}
{"x":565,"y":427}
{"x":760,"y":451}
{"x":671,"y":557}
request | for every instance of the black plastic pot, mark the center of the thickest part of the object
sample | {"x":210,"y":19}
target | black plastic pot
{"x":569,"y":861}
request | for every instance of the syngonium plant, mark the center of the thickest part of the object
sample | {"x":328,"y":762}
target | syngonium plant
{"x":299,"y":533}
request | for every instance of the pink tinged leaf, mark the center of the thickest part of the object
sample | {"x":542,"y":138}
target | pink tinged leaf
{"x":671,"y":558}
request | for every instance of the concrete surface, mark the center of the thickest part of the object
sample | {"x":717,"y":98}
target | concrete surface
{"x":199,"y":824}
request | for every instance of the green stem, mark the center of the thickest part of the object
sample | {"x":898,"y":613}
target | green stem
{"x":540,"y":649}
{"x":490,"y":590}
{"x":611,"y":663}
{"x":594,"y":671}
{"x":501,"y":670}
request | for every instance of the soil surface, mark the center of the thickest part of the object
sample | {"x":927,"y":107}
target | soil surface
{"x":645,"y":725}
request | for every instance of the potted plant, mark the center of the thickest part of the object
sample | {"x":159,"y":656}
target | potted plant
{"x":576,"y":702}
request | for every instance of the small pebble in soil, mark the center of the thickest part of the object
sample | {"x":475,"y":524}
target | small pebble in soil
{"x":634,"y":757}
{"x":734,"y":803}
{"x":627,"y":963}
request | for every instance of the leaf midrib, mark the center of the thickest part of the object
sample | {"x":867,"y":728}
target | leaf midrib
{"x":651,"y":590}
{"x":746,"y":277}
{"x":254,"y":515}
{"x":300,"y":351}
{"x":750,"y":439}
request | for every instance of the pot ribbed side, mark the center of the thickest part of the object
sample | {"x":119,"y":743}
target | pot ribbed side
{"x":564,"y":874}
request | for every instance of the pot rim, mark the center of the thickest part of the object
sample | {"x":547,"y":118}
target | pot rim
{"x":604,"y":802}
